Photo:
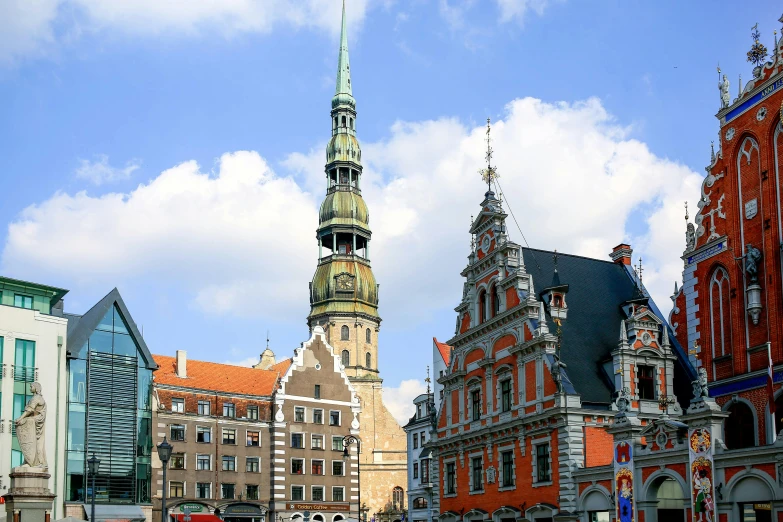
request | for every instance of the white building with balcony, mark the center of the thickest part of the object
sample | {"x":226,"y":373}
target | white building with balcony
{"x":423,"y":505}
{"x":33,"y":335}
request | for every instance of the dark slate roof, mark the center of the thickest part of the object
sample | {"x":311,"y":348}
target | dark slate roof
{"x":80,"y":327}
{"x":597,"y":290}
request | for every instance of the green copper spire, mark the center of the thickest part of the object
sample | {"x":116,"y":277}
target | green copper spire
{"x":343,"y":94}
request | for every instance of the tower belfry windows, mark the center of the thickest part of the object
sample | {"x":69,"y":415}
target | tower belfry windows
{"x":345,"y":333}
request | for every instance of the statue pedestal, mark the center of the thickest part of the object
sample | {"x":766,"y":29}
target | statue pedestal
{"x":29,"y":499}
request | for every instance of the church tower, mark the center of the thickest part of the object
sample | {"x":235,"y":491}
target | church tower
{"x":344,"y":298}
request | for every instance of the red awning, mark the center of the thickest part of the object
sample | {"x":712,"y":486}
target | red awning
{"x":195,"y":517}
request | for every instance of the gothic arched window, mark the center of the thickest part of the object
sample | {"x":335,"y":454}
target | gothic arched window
{"x":367,"y":336}
{"x":368,"y":360}
{"x":482,"y":303}
{"x":739,"y":426}
{"x":397,"y":497}
{"x":345,"y":333}
{"x":495,"y":300}
{"x":346,"y":358}
{"x":720,"y":310}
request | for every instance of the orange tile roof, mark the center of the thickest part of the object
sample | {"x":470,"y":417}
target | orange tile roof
{"x":211,"y":376}
{"x":281,"y":367}
{"x":444,"y":349}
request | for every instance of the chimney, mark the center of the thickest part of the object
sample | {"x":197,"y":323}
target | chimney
{"x":182,"y":364}
{"x":621,"y":254}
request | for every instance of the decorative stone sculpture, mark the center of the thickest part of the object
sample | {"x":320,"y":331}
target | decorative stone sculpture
{"x":700,"y":390}
{"x":725,"y":97}
{"x":623,"y":400}
{"x":31,"y":430}
{"x":752,"y":257}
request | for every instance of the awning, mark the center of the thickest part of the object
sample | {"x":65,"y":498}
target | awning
{"x":115,"y":512}
{"x":195,"y":517}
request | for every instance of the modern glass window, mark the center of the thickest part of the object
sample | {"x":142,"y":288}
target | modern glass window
{"x":252,"y":412}
{"x":415,"y":470}
{"x":229,"y":436}
{"x":252,"y":464}
{"x":297,"y":440}
{"x":318,"y":416}
{"x":176,"y":489}
{"x":177,"y":461}
{"x":475,"y":399}
{"x":646,"y":376}
{"x":338,"y":494}
{"x":204,"y":408}
{"x":203,"y":462}
{"x":598,"y":516}
{"x":451,"y":479}
{"x":229,"y":409}
{"x":23,"y":301}
{"x":318,"y":493}
{"x":299,"y":414}
{"x":346,"y":358}
{"x":507,"y":469}
{"x":24,"y":361}
{"x":229,"y":463}
{"x":542,"y":463}
{"x":203,"y":490}
{"x":317,"y":391}
{"x":477,"y":473}
{"x":177,"y":405}
{"x":505,"y":395}
{"x":317,"y":467}
{"x":345,"y":333}
{"x":415,"y":441}
{"x":297,"y":492}
{"x":337,"y":443}
{"x":334,"y":418}
{"x":251,"y":491}
{"x":177,"y":432}
{"x":227,"y":491}
{"x":252,"y":438}
{"x":338,"y":468}
{"x":317,"y":442}
{"x":297,"y":466}
{"x":420,"y":503}
{"x":203,"y":434}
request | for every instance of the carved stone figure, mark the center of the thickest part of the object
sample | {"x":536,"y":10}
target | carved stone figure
{"x":623,"y":400}
{"x":752,"y":257}
{"x":31,"y":429}
{"x":700,"y":385}
{"x":690,"y":237}
{"x":725,"y":97}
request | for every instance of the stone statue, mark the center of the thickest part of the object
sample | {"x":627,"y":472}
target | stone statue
{"x":725,"y":97}
{"x":700,"y":385}
{"x":752,"y":257}
{"x":623,"y":400}
{"x":31,"y":429}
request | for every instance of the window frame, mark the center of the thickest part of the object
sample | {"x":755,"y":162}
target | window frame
{"x":200,"y":430}
{"x":341,"y":489}
{"x":178,"y":456}
{"x":229,"y":410}
{"x":313,"y":489}
{"x":342,"y":468}
{"x":302,"y":438}
{"x":450,"y":477}
{"x":507,"y":479}
{"x":24,"y":299}
{"x":339,"y":440}
{"x":345,"y":333}
{"x":319,"y":411}
{"x":301,"y":462}
{"x":249,"y":460}
{"x":248,"y":496}
{"x":313,"y":464}
{"x":177,"y":405}
{"x":179,"y":427}
{"x":477,"y":474}
{"x":209,"y":490}
{"x":200,"y":459}
{"x":252,"y":412}
{"x":232,"y":459}
{"x":230,"y":435}
{"x":319,"y":437}
{"x":317,"y":391}
{"x":475,"y":404}
{"x":646,"y":383}
{"x":249,"y":442}
{"x":300,"y":414}
{"x":175,"y":483}
{"x":223,"y":490}
{"x":201,"y":408}
{"x":339,"y":418}
{"x":506,"y":395}
{"x":540,"y":478}
{"x":301,"y":489}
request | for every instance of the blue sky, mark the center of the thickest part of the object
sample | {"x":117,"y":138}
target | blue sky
{"x":121,"y":130}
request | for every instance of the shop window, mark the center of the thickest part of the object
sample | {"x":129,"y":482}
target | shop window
{"x":739,"y":427}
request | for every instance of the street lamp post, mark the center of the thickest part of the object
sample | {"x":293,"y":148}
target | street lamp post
{"x":93,"y":463}
{"x":164,"y":452}
{"x":347,"y":441}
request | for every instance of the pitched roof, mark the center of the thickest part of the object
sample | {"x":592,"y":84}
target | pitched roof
{"x":80,"y":327}
{"x":281,"y":366}
{"x":211,"y":376}
{"x":444,"y":349}
{"x":597,"y":289}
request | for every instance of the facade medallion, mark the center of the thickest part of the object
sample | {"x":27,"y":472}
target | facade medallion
{"x":730,"y":134}
{"x":761,"y":114}
{"x":646,"y":338}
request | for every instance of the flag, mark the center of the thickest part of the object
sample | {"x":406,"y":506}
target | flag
{"x":770,"y":390}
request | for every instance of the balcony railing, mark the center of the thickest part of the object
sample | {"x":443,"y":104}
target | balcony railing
{"x":25,"y":373}
{"x":343,"y":188}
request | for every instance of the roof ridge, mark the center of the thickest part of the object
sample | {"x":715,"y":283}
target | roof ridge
{"x":609,"y":261}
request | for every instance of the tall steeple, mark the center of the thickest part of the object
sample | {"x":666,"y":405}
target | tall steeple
{"x":343,"y":293}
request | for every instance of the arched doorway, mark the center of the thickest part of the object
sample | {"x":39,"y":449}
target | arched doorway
{"x":671,"y":501}
{"x":740,"y":426}
{"x":597,"y":506}
{"x":753,"y":499}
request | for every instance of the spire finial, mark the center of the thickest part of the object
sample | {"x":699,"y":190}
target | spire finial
{"x":427,"y":380}
{"x":472,"y":236}
{"x":267,"y":339}
{"x":554,"y":259}
{"x":686,"y":211}
{"x":712,"y":152}
{"x":639,"y":271}
{"x":490,"y":173}
{"x":343,"y":65}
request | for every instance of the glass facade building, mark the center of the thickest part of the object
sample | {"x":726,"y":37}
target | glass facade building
{"x":109,"y":406}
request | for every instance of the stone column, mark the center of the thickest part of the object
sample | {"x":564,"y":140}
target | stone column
{"x":29,"y":498}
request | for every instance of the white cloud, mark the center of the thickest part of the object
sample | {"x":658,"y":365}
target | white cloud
{"x":399,"y":400}
{"x":99,"y":171}
{"x":247,"y":362}
{"x":574,"y":177}
{"x":516,"y":9}
{"x":27,"y":27}
{"x":454,"y":11}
